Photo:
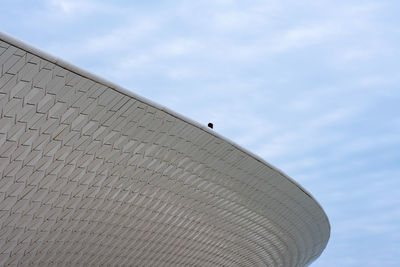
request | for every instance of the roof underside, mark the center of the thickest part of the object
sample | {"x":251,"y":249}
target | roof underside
{"x":91,"y":174}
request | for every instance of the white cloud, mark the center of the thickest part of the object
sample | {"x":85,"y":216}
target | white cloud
{"x":305,"y":36}
{"x":122,"y":38}
{"x":178,"y":47}
{"x":65,"y":5}
{"x":73,"y":8}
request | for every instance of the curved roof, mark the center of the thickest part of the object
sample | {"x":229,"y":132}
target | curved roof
{"x":94,"y":174}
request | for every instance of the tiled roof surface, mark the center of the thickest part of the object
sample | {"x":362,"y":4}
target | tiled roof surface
{"x":91,"y":175}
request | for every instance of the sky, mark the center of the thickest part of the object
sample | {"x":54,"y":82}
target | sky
{"x":310,"y":86}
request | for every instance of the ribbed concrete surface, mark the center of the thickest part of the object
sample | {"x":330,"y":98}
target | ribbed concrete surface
{"x":91,"y":175}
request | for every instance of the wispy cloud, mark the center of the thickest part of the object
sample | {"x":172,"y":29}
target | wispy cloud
{"x":69,"y":9}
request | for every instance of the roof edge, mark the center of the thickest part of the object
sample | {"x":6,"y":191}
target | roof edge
{"x":73,"y":68}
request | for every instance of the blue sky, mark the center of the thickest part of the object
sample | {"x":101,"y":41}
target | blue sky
{"x":310,"y":86}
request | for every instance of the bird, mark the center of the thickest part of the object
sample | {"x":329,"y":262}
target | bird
{"x":210,"y":125}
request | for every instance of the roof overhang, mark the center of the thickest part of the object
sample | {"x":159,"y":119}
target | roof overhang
{"x":94,"y":174}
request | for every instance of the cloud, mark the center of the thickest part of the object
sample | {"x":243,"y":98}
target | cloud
{"x":75,"y":8}
{"x":67,"y":6}
{"x":121,"y":38}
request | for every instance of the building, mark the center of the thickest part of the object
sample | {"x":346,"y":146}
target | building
{"x":92,"y":174}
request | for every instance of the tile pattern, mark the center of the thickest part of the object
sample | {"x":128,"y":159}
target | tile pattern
{"x":91,"y":176}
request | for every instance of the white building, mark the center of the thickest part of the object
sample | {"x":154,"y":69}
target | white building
{"x":92,"y":174}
